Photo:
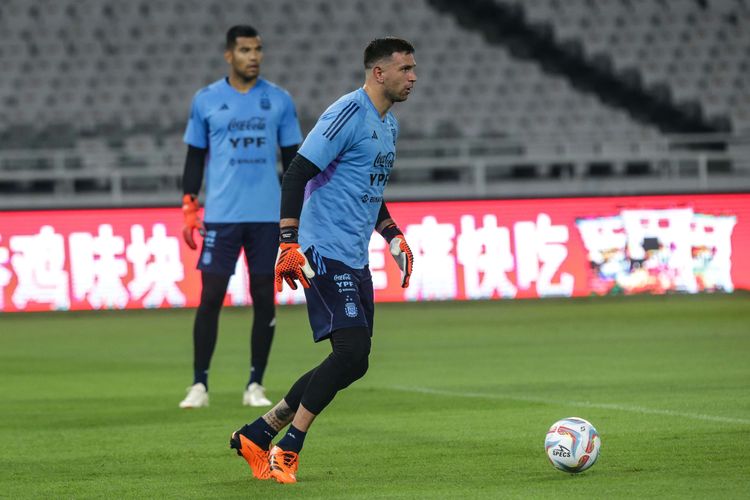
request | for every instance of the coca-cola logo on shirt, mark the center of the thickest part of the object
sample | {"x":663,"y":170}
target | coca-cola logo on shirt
{"x":254,"y":123}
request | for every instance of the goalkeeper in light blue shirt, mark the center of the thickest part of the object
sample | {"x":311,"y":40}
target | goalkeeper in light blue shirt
{"x":236,"y":126}
{"x":332,"y":200}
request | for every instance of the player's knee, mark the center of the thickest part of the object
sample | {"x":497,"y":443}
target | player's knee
{"x":363,"y":347}
{"x":262,"y":293}
{"x":211,"y":302}
{"x":351,"y":345}
{"x":213,"y":291}
{"x":262,"y":289}
{"x":359,"y":370}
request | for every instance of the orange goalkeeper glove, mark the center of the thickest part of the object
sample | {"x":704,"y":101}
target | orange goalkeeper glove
{"x":190,"y":207}
{"x":291,"y":263}
{"x":400,"y":251}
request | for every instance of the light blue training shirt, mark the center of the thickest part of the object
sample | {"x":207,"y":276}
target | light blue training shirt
{"x":354,"y":149}
{"x":242,"y":133}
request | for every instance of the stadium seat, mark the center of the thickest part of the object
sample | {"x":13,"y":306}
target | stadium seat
{"x":139,"y":45}
{"x":672,"y":43}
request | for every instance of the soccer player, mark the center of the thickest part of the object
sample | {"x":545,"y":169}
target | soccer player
{"x":235,"y":127}
{"x":341,"y":172}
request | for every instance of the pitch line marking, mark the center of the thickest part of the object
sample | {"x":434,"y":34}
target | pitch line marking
{"x":583,"y":404}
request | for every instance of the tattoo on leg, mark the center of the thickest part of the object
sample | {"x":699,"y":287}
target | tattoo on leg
{"x":280,"y":416}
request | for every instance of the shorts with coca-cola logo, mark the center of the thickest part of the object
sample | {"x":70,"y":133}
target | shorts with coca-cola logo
{"x":339,"y":296}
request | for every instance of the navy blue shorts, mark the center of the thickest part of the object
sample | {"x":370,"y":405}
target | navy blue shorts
{"x":223,"y":241}
{"x":338,"y":297}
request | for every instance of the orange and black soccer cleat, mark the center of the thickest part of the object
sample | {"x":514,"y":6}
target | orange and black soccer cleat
{"x":283,"y":465}
{"x":256,"y":457}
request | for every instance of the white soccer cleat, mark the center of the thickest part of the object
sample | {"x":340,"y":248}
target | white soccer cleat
{"x":197,"y":397}
{"x":255,"y":395}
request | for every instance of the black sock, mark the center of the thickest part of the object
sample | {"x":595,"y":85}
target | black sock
{"x":259,"y":432}
{"x":256,"y":375}
{"x":205,"y":328}
{"x":264,"y":322}
{"x":200,"y":377}
{"x":292,"y":440}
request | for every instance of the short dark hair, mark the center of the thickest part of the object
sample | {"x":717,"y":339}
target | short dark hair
{"x":381,"y":48}
{"x":241,"y":30}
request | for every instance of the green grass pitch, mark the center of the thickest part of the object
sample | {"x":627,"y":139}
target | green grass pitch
{"x":456,"y":403}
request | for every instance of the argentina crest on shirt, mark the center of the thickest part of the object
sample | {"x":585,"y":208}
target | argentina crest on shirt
{"x":350,"y":308}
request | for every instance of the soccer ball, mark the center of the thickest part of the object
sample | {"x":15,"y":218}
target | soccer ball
{"x":572,"y":444}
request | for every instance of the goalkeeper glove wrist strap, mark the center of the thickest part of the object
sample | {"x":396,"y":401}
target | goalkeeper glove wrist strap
{"x":391,"y":231}
{"x":288,"y":234}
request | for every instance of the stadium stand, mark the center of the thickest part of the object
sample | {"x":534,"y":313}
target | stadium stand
{"x":134,"y":66}
{"x":699,"y":50}
{"x":100,"y":89}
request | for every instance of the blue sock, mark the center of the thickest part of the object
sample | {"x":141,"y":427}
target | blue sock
{"x":200,"y":377}
{"x":259,"y":433}
{"x":292,"y":440}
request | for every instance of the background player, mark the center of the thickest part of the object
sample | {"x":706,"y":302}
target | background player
{"x":235,"y":127}
{"x":347,"y":157}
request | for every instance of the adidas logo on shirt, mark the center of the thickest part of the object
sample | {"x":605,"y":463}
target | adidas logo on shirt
{"x":374,"y":135}
{"x":223,"y":107}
